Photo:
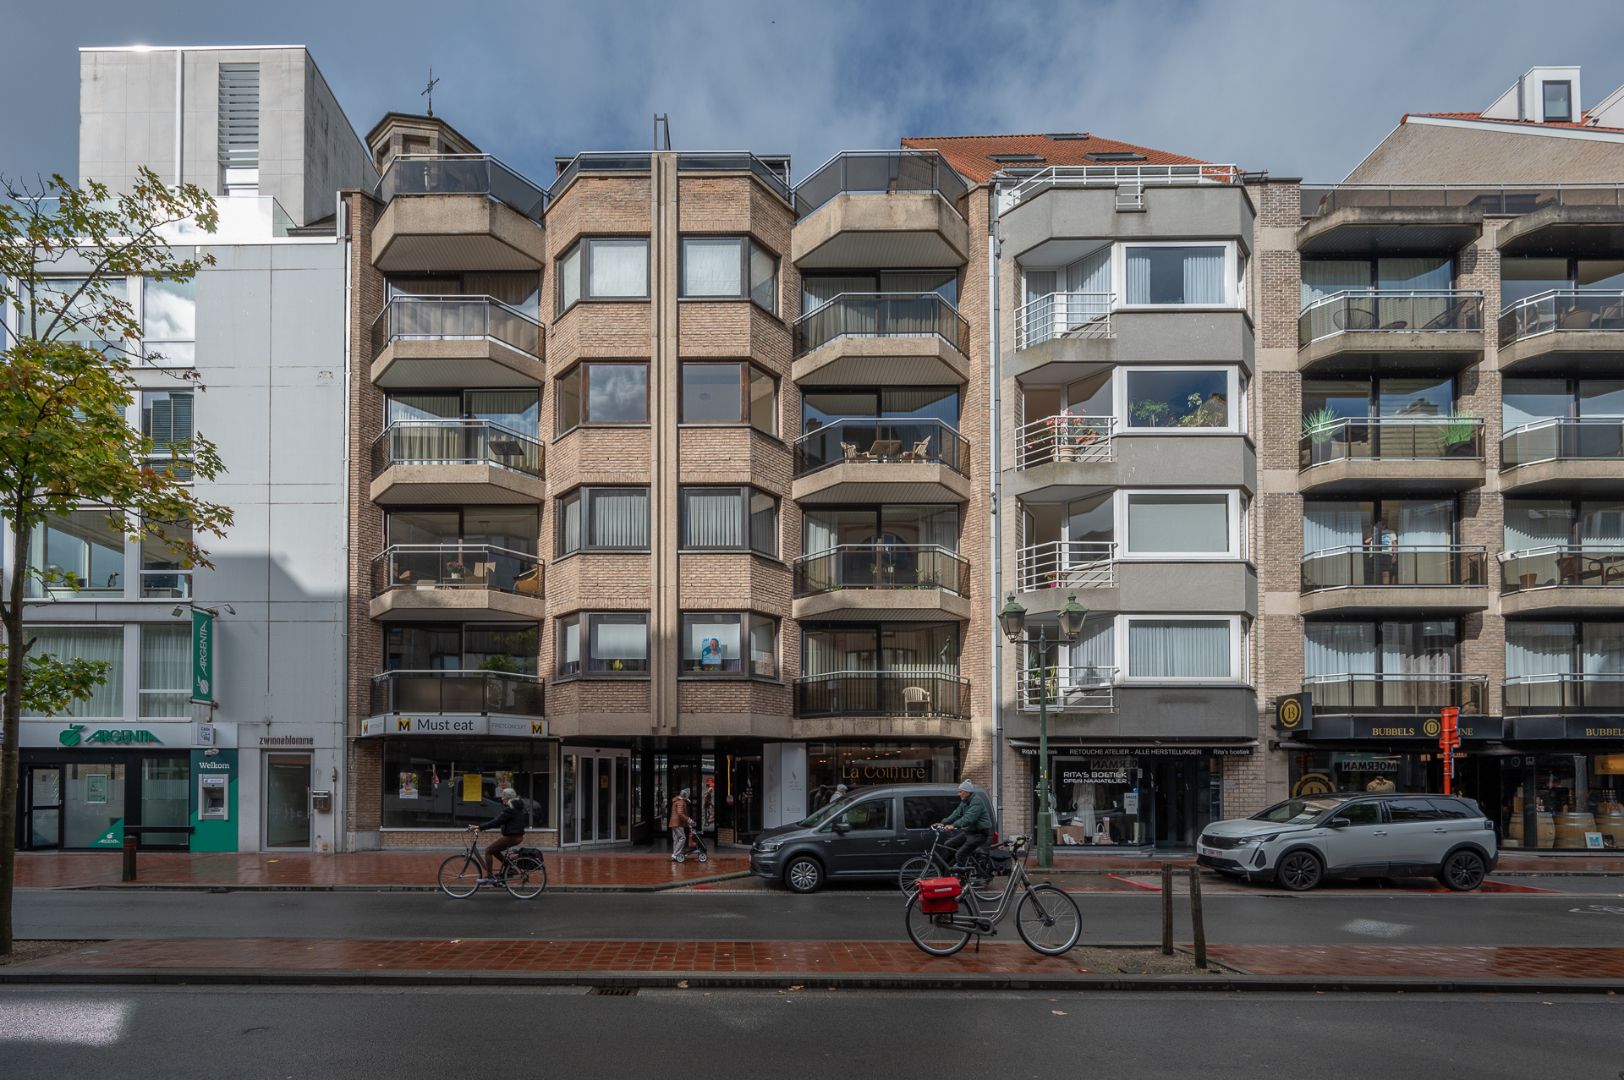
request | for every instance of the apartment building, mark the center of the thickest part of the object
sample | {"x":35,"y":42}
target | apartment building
{"x":1441,"y":375}
{"x":251,"y":758}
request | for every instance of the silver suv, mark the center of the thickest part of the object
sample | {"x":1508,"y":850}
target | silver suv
{"x":1300,"y":842}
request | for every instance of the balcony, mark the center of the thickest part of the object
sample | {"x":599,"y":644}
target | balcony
{"x":1568,"y":691}
{"x":882,"y":339}
{"x":882,"y":582}
{"x":1081,"y":315}
{"x":1391,"y":330}
{"x":1407,"y":694}
{"x":1087,"y":688}
{"x":1582,"y":222}
{"x":457,"y":212}
{"x":1562,"y":455}
{"x":1562,"y":579}
{"x":1067,"y":565}
{"x":456,"y":692}
{"x":1065,"y":438}
{"x":869,"y":460}
{"x":463,"y":342}
{"x":883,"y":693}
{"x":1419,"y":453}
{"x":881,"y":208}
{"x":1359,"y":219}
{"x":453,"y":462}
{"x":1404,"y":578}
{"x":1562,"y":331}
{"x":456,"y":581}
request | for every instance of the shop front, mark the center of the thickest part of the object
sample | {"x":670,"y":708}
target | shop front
{"x":1144,"y":797}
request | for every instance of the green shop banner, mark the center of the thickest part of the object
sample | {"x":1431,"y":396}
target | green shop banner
{"x":113,"y":837}
{"x":202,"y":656}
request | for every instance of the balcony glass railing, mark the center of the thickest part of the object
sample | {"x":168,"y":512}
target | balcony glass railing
{"x":1068,"y":564}
{"x":882,"y":693}
{"x":1064,"y":314}
{"x":455,"y":318}
{"x":166,"y":584}
{"x":878,"y":172}
{"x":1068,"y":688}
{"x":882,"y":315}
{"x":1404,"y":566}
{"x":772,"y":172}
{"x":1391,"y":311}
{"x":1595,"y":438}
{"x":1498,"y":199}
{"x":1397,"y":693}
{"x":1603,"y":692}
{"x":1585,"y":566}
{"x":1562,"y":311}
{"x":1402,"y":438}
{"x":882,"y":566}
{"x":456,"y":566}
{"x":456,"y":692}
{"x":460,"y":174}
{"x":1065,"y":438}
{"x":455,"y":442}
{"x":854,"y":440}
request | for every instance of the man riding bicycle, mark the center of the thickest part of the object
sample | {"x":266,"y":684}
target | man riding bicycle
{"x":511,"y":823}
{"x":972,"y":820}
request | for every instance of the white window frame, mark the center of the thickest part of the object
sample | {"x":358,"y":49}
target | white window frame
{"x":1119,"y":512}
{"x":1234,"y":285}
{"x":1235,"y":385}
{"x":1239,"y":635}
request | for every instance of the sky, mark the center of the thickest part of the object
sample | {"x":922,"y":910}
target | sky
{"x":1296,"y":87}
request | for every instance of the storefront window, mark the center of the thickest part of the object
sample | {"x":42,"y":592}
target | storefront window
{"x":452,"y":783}
{"x":866,"y":764}
{"x":93,"y":805}
{"x":1097,"y":801}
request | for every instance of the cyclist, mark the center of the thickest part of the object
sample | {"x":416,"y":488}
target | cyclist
{"x":511,"y":823}
{"x":972,"y":821}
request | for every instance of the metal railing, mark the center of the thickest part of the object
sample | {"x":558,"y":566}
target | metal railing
{"x":879,"y":172}
{"x":1495,"y":199}
{"x":461,"y":174}
{"x":1596,"y":438}
{"x":1068,"y":564}
{"x":455,"y":442}
{"x":1563,"y":690}
{"x":1562,"y":311}
{"x":1402,"y":566}
{"x":862,"y":439}
{"x":1401,"y":438}
{"x":1085,"y":687}
{"x":615,"y":162}
{"x":1143,"y":176}
{"x":1397,"y":693}
{"x":467,"y":692}
{"x":1064,"y":314}
{"x":882,"y":566}
{"x":1582,"y":566}
{"x":166,"y":584}
{"x":878,"y":315}
{"x":1065,"y":438}
{"x":882,"y":693}
{"x":456,"y":566}
{"x":454,"y":318}
{"x":1390,"y":311}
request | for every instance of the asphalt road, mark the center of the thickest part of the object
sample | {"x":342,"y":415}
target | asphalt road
{"x":1262,"y":918}
{"x":168,"y":1034}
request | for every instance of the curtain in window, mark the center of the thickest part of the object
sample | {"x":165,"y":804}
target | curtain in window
{"x":818,"y":533}
{"x":1179,"y":649}
{"x":570,"y":523}
{"x":1204,"y":275}
{"x":1425,"y":648}
{"x":940,"y":528}
{"x":100,"y":643}
{"x":1604,"y":648}
{"x":926,"y":650}
{"x":1138,"y":275}
{"x":569,"y":278}
{"x":1327,"y":526}
{"x":619,"y":518}
{"x":1425,"y":524}
{"x":1537,"y":524}
{"x":1039,"y":318}
{"x":1093,"y":653}
{"x":713,"y":519}
{"x":569,"y":644}
{"x":908,"y":311}
{"x":1601,"y":524}
{"x":1091,"y":276}
{"x":1326,"y":277}
{"x":857,"y":314}
{"x":619,"y":640}
{"x":1335,"y":648}
{"x":619,"y":268}
{"x":711,"y":266}
{"x":166,"y":670}
{"x":1539,"y":648}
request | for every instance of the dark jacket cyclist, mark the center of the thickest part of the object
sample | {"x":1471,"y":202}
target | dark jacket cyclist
{"x":511,"y":823}
{"x":972,"y":820}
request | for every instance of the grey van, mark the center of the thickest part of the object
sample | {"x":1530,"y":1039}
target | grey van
{"x":868,"y":834}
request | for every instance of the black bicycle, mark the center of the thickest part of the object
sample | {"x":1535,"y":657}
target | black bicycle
{"x":982,"y":864}
{"x":523,"y":871}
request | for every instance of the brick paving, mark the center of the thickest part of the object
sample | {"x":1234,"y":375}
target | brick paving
{"x":1424,"y":961}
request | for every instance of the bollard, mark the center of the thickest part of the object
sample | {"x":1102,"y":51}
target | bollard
{"x":1167,"y":909}
{"x":1196,"y":924}
{"x":130,"y":843}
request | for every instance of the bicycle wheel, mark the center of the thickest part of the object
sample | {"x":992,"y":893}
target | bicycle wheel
{"x":459,"y":875}
{"x":525,"y":877}
{"x":1048,"y":920}
{"x":915,"y":868}
{"x":933,"y":933}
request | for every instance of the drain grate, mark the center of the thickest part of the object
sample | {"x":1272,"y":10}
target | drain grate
{"x":612,"y":991}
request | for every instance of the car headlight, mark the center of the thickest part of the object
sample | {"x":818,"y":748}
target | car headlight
{"x":769,"y":845}
{"x":1252,"y":841}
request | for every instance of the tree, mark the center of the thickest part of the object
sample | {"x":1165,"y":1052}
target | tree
{"x":65,"y":443}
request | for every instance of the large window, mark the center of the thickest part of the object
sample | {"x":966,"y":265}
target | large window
{"x":1183,"y":523}
{"x":729,"y":393}
{"x":596,"y":392}
{"x":474,"y":647}
{"x":1185,"y":649}
{"x":1180,"y":399}
{"x":729,"y":519}
{"x":603,"y":268}
{"x":165,"y":573}
{"x":1180,"y":275}
{"x":425,"y":781}
{"x":76,"y":314}
{"x":731,"y":267}
{"x":516,"y":410}
{"x":716,"y":644}
{"x":166,"y":670}
{"x":103,"y":644}
{"x":81,"y":556}
{"x":166,"y":419}
{"x":606,"y":643}
{"x":169,"y":322}
{"x":929,"y":648}
{"x":603,"y":519}
{"x":1557,"y":99}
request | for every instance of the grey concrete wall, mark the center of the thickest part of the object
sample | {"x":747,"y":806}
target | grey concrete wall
{"x":1172,"y":213}
{"x":1143,"y":713}
{"x":334,"y":156}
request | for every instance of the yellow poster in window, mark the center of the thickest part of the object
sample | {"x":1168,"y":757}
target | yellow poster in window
{"x":472,"y":782}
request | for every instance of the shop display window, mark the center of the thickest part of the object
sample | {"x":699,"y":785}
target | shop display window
{"x":452,"y":783}
{"x":1097,"y":801}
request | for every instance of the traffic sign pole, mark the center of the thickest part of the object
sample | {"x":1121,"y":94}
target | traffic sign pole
{"x":1448,"y":740}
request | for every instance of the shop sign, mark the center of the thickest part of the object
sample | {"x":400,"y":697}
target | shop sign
{"x":202,"y":656}
{"x":1144,"y":751}
{"x":1095,"y":773}
{"x":74,"y":734}
{"x":286,"y":740}
{"x":1573,"y":728}
{"x":1294,"y":713}
{"x":517,"y":727}
{"x":885,"y":772}
{"x":1387,"y":728}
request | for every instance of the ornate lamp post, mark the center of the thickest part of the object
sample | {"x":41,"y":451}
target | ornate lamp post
{"x":1013,"y":620}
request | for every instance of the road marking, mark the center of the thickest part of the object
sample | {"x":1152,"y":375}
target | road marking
{"x":1598,"y":909}
{"x":87,"y":1023}
{"x":1375,"y":928}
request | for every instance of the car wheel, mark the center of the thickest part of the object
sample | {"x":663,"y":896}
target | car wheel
{"x":1463,"y":871}
{"x":1299,"y":871}
{"x":803,"y":874}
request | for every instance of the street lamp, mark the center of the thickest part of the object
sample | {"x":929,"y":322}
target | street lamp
{"x":1013,"y":620}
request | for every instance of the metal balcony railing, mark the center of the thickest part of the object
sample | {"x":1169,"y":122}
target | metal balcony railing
{"x":882,"y":693}
{"x":1408,"y":692}
{"x":882,"y":566}
{"x":1064,"y":314}
{"x":460,"y":174}
{"x":1562,"y":691}
{"x":1069,"y":689}
{"x":1497,"y":199}
{"x":1404,"y":566}
{"x":1390,"y":311}
{"x":166,"y":584}
{"x":1068,"y":564}
{"x":772,"y":172}
{"x":882,"y":315}
{"x":879,"y":172}
{"x":455,"y":318}
{"x":455,"y":442}
{"x":1593,"y":438}
{"x":1562,"y":311}
{"x":1402,"y":438}
{"x":1065,"y":437}
{"x":465,"y":692}
{"x":1566,"y":565}
{"x":862,"y":439}
{"x":1115,"y":176}
{"x":456,"y":566}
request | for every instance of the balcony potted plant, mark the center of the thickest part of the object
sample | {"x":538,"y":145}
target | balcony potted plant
{"x":1318,"y":427}
{"x":1460,"y":431}
{"x":456,"y":570}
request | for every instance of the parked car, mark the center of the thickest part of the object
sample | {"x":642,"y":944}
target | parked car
{"x":1301,"y":842}
{"x":868,"y":834}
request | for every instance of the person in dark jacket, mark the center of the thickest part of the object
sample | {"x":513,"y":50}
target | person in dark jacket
{"x":971,"y":820}
{"x":511,"y":823}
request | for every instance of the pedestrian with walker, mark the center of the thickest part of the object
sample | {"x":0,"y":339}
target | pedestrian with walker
{"x":680,"y":822}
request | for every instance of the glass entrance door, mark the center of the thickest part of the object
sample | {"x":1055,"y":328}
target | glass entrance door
{"x":596,"y":804}
{"x":287,"y":801}
{"x":44,"y":809}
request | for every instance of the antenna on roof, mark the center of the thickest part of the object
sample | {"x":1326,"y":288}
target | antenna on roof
{"x":662,"y":124}
{"x":428,"y":91}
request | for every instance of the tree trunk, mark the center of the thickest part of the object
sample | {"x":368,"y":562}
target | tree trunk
{"x":11,"y":615}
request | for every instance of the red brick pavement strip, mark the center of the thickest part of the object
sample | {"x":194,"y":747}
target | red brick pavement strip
{"x":1422,"y":961}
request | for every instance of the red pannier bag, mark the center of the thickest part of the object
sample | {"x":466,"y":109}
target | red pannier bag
{"x":939,"y":895}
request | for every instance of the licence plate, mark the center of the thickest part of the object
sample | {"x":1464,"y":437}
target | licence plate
{"x":1205,"y":850}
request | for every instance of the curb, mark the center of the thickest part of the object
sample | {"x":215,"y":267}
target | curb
{"x":197,"y":887}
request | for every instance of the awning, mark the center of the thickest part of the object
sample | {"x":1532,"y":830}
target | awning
{"x":1163,"y":748}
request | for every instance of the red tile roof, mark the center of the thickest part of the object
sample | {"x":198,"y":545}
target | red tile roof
{"x":1575,"y":124}
{"x":972,"y":155}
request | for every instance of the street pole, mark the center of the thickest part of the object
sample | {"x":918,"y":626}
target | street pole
{"x":1045,"y":821}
